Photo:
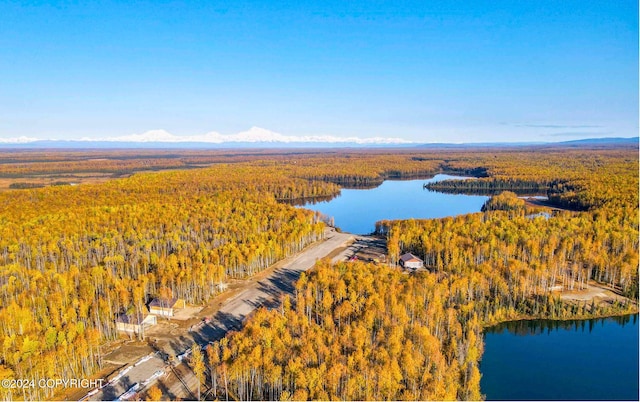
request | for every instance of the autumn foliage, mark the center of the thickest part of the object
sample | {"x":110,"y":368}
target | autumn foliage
{"x":355,"y":332}
{"x":74,"y":257}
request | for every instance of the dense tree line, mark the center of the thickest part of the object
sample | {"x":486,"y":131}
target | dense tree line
{"x":73,"y":257}
{"x":361,"y":169}
{"x":488,"y":186}
{"x":567,"y":248}
{"x":354,"y":331}
{"x":357,"y":331}
{"x":23,"y":185}
{"x":505,"y":201}
{"x":96,"y":251}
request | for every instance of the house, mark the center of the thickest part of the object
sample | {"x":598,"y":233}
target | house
{"x":135,"y":323}
{"x":545,"y":215}
{"x":166,"y":307}
{"x":409,"y":260}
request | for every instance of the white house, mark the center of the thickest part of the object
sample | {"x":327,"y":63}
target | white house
{"x":135,"y":323}
{"x":409,"y":260}
{"x":166,"y":307}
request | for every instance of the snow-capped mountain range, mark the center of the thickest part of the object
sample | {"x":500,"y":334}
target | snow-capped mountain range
{"x":255,"y":135}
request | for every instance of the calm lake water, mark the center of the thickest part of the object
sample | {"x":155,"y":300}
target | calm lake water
{"x":562,"y":360}
{"x":357,"y":210}
{"x":524,"y":360}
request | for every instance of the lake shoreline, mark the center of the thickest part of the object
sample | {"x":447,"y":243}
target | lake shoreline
{"x":357,"y":210}
{"x":545,"y":359}
{"x":632,"y":306}
{"x":560,"y":319}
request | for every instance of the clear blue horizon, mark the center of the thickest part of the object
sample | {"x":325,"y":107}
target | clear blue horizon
{"x":421,"y":71}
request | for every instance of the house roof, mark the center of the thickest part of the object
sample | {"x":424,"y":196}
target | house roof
{"x":409,"y":257}
{"x":163,"y":303}
{"x":135,"y":319}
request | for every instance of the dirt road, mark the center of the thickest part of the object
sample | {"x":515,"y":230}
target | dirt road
{"x":593,"y":291}
{"x":264,"y":291}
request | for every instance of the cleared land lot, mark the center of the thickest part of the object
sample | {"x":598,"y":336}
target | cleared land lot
{"x":173,"y":338}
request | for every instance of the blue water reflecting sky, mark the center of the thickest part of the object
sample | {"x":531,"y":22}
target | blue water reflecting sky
{"x":356,"y":211}
{"x":583,"y":360}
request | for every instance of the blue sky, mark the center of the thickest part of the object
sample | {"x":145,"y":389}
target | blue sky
{"x":424,"y":71}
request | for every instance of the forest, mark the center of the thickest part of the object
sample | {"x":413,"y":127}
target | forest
{"x":361,"y":331}
{"x":74,"y":257}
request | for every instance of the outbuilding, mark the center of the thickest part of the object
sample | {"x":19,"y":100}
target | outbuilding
{"x":166,"y":307}
{"x":410,"y":261}
{"x":135,"y":323}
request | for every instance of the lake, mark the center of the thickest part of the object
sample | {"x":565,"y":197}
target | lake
{"x":562,"y":360}
{"x":357,"y":210}
{"x":523,"y":360}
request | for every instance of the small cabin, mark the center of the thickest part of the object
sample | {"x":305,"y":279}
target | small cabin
{"x":166,"y":307}
{"x":410,"y":261}
{"x":135,"y":323}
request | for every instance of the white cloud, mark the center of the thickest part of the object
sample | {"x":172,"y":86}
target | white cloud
{"x":253,"y":135}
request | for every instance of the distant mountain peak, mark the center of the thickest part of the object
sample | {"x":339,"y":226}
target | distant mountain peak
{"x":256,"y":137}
{"x":253,"y":135}
{"x":17,"y":140}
